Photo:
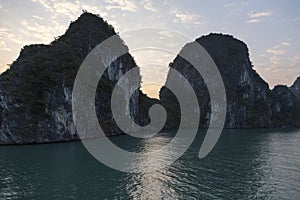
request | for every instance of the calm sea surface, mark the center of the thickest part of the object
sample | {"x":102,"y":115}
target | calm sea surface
{"x":245,"y":164}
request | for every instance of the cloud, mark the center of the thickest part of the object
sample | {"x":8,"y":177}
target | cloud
{"x":280,"y":63}
{"x":124,"y":5}
{"x":281,"y":74}
{"x":259,"y":14}
{"x":278,"y":49}
{"x":276,"y":52}
{"x":230,"y":5}
{"x":184,"y":17}
{"x":60,"y":11}
{"x":44,"y":3}
{"x":285,"y":44}
{"x":256,"y":16}
{"x":71,"y":9}
{"x":275,"y":60}
{"x":148,"y":5}
{"x":37,"y":17}
{"x":94,"y":9}
{"x":236,"y":4}
{"x":5,"y":35}
{"x":296,"y":59}
{"x":63,"y":7}
{"x":282,"y":66}
{"x":253,"y":20}
{"x":3,"y":46}
{"x":44,"y":33}
{"x":1,"y":6}
{"x":24,"y":22}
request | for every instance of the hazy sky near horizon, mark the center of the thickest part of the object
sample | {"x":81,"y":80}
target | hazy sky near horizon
{"x":270,"y":28}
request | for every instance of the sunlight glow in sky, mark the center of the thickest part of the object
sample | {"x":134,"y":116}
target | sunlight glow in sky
{"x":270,"y":28}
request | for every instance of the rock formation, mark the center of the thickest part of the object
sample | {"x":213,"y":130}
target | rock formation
{"x":296,"y":88}
{"x":36,"y":92}
{"x":250,"y":102}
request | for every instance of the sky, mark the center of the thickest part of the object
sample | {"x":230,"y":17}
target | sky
{"x":270,"y":28}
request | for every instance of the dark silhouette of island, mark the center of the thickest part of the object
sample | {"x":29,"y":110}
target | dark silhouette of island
{"x":36,"y":92}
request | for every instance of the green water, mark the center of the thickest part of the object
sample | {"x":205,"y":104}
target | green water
{"x":245,"y":164}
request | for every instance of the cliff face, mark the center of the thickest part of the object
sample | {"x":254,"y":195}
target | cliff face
{"x":296,"y":88}
{"x":250,"y":102}
{"x":35,"y":93}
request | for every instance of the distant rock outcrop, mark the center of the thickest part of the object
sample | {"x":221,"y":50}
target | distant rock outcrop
{"x":250,"y":102}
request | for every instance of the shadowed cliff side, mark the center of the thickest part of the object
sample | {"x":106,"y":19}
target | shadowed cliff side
{"x":296,"y":88}
{"x":250,"y":102}
{"x":36,"y":92}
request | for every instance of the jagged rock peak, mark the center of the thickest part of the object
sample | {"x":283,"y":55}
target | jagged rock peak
{"x":296,"y":87}
{"x":88,"y":22}
{"x":296,"y":84}
{"x":221,"y":42}
{"x":87,"y":31}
